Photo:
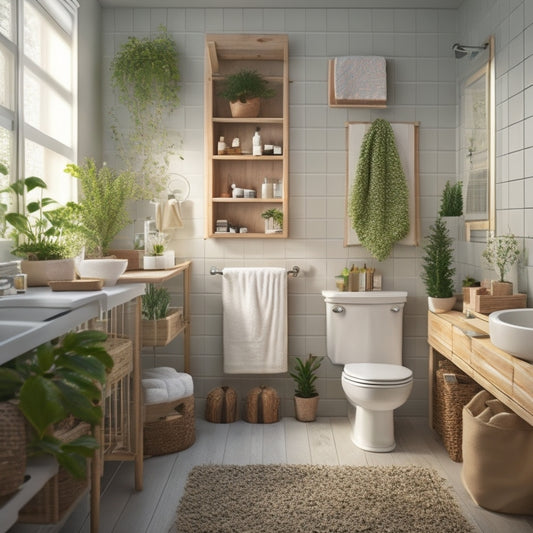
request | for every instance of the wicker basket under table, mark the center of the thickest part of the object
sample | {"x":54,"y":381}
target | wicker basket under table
{"x":450,"y":398}
{"x":169,"y":427}
{"x":58,"y":495}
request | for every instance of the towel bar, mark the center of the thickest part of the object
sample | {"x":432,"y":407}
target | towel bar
{"x":294,"y":271}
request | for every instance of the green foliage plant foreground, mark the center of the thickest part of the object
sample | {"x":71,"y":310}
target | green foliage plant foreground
{"x":145,"y":76}
{"x":437,"y":266}
{"x":55,"y":381}
{"x":305,"y":376}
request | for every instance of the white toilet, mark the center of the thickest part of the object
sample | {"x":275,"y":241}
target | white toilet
{"x":364,"y":333}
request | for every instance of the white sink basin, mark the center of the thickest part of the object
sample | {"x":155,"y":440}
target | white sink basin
{"x":10,"y":330}
{"x":31,"y":314}
{"x":511,"y":330}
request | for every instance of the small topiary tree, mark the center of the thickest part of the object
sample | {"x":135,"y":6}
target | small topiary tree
{"x":451,"y":203}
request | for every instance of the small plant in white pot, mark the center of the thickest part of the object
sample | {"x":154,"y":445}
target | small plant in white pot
{"x":305,"y":395}
{"x":157,"y":256}
{"x":438,"y":270}
{"x":273,"y":220}
{"x":502,"y":252}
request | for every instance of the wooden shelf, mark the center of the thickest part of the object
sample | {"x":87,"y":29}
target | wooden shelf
{"x":226,"y":54}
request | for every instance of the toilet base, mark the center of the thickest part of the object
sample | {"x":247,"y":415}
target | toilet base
{"x":373,"y":431}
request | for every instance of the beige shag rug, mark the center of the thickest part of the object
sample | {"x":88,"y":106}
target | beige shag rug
{"x":312,"y":498}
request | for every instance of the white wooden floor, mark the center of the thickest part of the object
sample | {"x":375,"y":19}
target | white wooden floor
{"x":325,"y":441}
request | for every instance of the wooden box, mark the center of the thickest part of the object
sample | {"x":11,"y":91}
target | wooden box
{"x":161,"y":332}
{"x":134,"y":257}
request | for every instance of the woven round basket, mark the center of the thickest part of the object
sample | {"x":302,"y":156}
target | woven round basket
{"x":121,"y":351}
{"x":262,"y":405}
{"x":12,"y":448}
{"x":450,"y":400}
{"x":221,"y":405}
{"x":170,"y":433}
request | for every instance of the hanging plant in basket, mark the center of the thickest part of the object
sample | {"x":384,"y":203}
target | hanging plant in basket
{"x":160,"y":322}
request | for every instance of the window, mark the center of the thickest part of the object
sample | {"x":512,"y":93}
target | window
{"x":38,"y":91}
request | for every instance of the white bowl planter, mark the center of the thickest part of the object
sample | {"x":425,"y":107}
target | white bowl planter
{"x":107,"y":269}
{"x":159,"y":262}
{"x":441,"y":305}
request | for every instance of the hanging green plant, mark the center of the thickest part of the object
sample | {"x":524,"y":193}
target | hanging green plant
{"x":145,"y":75}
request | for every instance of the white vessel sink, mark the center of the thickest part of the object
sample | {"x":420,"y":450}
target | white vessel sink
{"x":511,"y":330}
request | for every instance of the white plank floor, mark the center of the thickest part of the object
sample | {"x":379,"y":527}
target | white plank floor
{"x":325,"y":441}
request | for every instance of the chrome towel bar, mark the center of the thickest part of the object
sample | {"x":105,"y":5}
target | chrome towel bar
{"x":294,"y":271}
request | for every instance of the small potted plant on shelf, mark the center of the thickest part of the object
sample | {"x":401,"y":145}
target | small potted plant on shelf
{"x":45,"y":234}
{"x":160,"y":322}
{"x":273,"y":220}
{"x":502,"y":252}
{"x":438,"y":270}
{"x":157,"y":256}
{"x":55,"y":382}
{"x":244,"y":90}
{"x":305,"y":395}
{"x":451,"y":203}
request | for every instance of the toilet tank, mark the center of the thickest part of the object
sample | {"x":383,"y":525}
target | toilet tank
{"x":364,"y":327}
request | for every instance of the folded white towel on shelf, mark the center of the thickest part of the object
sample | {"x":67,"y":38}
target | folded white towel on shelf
{"x":254,"y":302}
{"x":360,"y":79}
{"x":164,"y":384}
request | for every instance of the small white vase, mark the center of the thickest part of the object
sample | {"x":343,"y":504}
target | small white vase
{"x":441,"y":305}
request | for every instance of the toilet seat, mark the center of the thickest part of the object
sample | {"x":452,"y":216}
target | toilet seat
{"x":379,"y":374}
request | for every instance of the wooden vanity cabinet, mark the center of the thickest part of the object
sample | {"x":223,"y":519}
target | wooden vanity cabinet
{"x":227,"y":54}
{"x":506,"y":377}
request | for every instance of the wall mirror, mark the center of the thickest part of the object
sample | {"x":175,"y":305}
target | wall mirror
{"x":476,"y":148}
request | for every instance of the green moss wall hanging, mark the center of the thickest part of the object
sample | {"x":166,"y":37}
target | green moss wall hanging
{"x":378,"y":205}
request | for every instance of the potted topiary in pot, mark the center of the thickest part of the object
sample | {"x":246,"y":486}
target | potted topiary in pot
{"x":438,"y":268}
{"x":244,"y":90}
{"x":305,"y":395}
{"x":502,"y":252}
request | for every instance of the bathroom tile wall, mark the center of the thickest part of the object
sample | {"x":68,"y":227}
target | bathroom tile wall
{"x":421,"y":80}
{"x":511,"y":24}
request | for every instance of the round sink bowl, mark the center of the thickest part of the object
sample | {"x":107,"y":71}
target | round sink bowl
{"x":107,"y":269}
{"x":511,"y":330}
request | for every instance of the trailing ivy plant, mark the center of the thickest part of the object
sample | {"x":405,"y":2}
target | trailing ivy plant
{"x":145,"y":75}
{"x":451,"y":203}
{"x":437,"y":262}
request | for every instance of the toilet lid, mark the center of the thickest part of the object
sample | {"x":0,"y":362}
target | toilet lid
{"x":378,"y":373}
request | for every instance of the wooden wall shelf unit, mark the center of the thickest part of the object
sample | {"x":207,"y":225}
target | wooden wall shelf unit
{"x":226,"y":54}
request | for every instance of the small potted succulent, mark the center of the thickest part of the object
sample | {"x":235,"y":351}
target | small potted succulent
{"x":306,"y":395}
{"x":244,"y":90}
{"x":157,"y":256}
{"x":273,"y":220}
{"x":502,"y":252}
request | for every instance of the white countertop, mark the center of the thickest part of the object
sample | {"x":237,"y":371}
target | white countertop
{"x":17,"y":335}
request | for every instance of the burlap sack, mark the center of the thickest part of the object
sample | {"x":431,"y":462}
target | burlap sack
{"x":497,"y":456}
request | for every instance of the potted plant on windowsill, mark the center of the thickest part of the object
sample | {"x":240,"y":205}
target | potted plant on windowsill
{"x":502,"y":253}
{"x":53,"y":382}
{"x":451,"y":209}
{"x":46,"y":237}
{"x":273,"y":220}
{"x":160,"y":322}
{"x":438,"y":271}
{"x":305,"y":395}
{"x":244,"y":90}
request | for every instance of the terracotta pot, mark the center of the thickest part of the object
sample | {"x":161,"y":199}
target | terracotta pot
{"x":248,"y":109}
{"x":41,"y":272}
{"x":501,"y":288}
{"x":441,"y":305}
{"x":305,"y":408}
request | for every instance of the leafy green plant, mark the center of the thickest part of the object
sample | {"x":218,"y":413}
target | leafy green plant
{"x":244,"y":85}
{"x":146,"y":77}
{"x":51,"y":383}
{"x":103,"y":208}
{"x":275,"y":214}
{"x":157,"y":244}
{"x":305,"y":376}
{"x":40,"y":231}
{"x":451,"y":203}
{"x":437,"y":262}
{"x":470,"y":282}
{"x":502,"y":253}
{"x":155,"y":302}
